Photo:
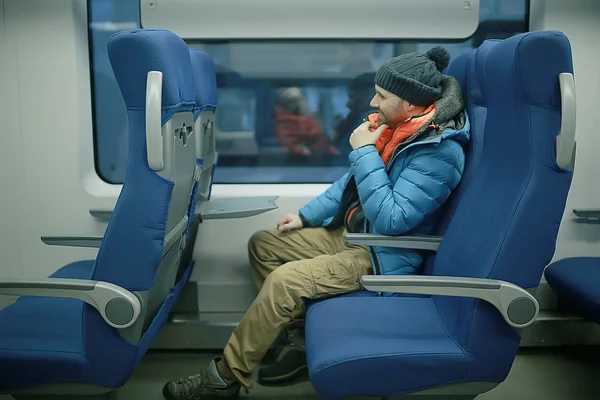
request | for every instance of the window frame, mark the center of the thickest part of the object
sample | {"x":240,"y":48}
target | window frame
{"x":279,"y":82}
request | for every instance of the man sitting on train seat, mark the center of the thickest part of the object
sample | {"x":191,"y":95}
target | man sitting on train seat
{"x":407,"y":159}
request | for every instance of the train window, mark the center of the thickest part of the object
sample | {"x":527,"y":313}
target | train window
{"x":286,"y":107}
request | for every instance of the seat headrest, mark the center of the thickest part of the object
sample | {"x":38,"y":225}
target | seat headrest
{"x":513,"y":67}
{"x":458,"y":68}
{"x":133,"y":53}
{"x":205,"y":81}
{"x":477,"y":86}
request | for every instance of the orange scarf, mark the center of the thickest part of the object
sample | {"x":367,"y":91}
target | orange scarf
{"x":390,"y":139}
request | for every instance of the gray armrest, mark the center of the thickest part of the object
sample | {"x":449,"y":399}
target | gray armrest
{"x":119,"y":307}
{"x":403,"y":242}
{"x":518,"y":307}
{"x":74,"y":241}
{"x":590,"y":214}
{"x":565,"y":146}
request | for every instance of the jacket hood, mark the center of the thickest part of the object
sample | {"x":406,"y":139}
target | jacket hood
{"x":450,"y":118}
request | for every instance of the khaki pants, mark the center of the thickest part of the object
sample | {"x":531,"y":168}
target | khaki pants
{"x":309,"y":263}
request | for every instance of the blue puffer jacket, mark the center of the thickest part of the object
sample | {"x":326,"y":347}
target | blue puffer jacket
{"x":405,"y":197}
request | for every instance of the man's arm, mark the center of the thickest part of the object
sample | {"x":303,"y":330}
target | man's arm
{"x":423,"y":186}
{"x":324,"y":206}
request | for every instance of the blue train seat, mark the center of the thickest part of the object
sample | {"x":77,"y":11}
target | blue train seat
{"x":462,"y":339}
{"x":206,"y":95}
{"x":576,"y":282}
{"x":205,"y":82}
{"x":84,"y":330}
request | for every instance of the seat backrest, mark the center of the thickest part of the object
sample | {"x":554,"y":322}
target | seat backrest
{"x":205,"y":93}
{"x":507,"y":220}
{"x":145,"y":237}
{"x":462,"y":68}
{"x":205,"y":83}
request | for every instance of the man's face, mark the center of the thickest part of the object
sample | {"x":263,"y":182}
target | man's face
{"x":391,"y":109}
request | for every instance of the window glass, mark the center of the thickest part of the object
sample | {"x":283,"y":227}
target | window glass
{"x":286,"y":108}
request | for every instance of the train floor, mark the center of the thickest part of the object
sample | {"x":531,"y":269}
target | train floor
{"x":538,"y":373}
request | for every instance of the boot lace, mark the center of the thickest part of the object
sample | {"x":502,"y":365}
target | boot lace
{"x":190,"y":385}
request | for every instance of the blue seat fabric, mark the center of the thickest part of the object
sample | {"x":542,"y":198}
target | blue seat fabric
{"x":205,"y":88}
{"x":205,"y":81}
{"x":576,"y":281}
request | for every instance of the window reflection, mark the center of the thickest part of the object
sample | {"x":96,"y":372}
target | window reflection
{"x":286,"y":108}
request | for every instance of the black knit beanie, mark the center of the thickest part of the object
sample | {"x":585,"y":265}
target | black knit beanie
{"x":415,"y":77}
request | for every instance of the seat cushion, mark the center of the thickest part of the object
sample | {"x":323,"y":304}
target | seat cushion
{"x":361,"y":293}
{"x":76,"y":270}
{"x":41,"y":338}
{"x":40,"y":341}
{"x":394,"y":344}
{"x":575,"y":280}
